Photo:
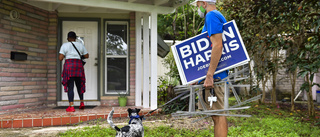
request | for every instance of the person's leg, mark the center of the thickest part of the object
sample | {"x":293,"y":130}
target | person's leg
{"x":220,"y":122}
{"x":204,"y":97}
{"x":78,"y":84}
{"x":220,"y":126}
{"x":70,"y":95}
{"x":70,"y":91}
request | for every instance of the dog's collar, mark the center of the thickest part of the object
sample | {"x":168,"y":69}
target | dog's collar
{"x":134,"y":117}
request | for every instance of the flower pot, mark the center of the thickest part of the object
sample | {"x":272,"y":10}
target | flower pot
{"x":122,"y":101}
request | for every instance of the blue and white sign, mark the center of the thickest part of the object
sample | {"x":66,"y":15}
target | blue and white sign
{"x":192,"y":56}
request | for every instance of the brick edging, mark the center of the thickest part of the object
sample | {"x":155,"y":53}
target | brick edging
{"x":56,"y":121}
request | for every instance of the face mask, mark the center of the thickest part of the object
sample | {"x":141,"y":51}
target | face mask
{"x":201,"y":12}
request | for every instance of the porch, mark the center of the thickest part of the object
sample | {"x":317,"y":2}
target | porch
{"x":57,"y":116}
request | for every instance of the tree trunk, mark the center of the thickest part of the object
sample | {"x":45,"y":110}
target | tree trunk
{"x":263,"y":98}
{"x":264,"y":81}
{"x":184,"y":23}
{"x":273,"y":94}
{"x":311,"y":110}
{"x":274,"y":77}
{"x":174,"y":27}
{"x":170,"y":92}
{"x":293,"y":78}
{"x":194,"y":23}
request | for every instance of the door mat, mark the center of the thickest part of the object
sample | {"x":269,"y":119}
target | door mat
{"x":75,"y":107}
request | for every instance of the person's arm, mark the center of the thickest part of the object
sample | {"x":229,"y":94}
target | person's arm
{"x":85,"y":52}
{"x":86,"y":56}
{"x":61,"y":57}
{"x":62,"y":52}
{"x":216,"y":53}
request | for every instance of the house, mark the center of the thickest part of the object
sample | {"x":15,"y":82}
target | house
{"x":32,"y":32}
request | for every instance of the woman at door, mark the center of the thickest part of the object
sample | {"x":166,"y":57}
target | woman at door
{"x":73,"y":71}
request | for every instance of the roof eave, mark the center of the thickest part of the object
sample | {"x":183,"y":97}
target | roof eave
{"x":128,"y":6}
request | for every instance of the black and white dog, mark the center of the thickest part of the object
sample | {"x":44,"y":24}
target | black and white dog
{"x":135,"y":127}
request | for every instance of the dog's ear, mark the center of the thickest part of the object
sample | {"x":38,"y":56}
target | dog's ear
{"x":129,"y":111}
{"x":138,"y":110}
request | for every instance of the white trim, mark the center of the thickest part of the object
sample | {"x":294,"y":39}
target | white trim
{"x":146,"y":63}
{"x":83,"y":8}
{"x":128,"y":6}
{"x":160,"y":2}
{"x":131,"y":1}
{"x":54,"y":6}
{"x":138,"y":60}
{"x":154,"y":55}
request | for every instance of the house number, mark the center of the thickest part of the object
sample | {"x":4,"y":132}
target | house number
{"x":14,"y":14}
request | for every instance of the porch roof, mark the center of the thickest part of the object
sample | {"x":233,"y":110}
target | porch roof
{"x":103,"y":6}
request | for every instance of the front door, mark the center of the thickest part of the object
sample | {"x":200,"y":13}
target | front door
{"x":87,"y":31}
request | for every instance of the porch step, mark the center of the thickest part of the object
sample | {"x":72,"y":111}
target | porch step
{"x":18,"y":121}
{"x":86,"y":103}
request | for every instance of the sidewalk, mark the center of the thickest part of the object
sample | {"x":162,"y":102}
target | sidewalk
{"x":51,"y":116}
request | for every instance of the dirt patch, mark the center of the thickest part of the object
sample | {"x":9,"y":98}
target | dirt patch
{"x":28,"y":132}
{"x":168,"y":120}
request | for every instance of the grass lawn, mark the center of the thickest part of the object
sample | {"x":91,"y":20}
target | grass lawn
{"x":273,"y":121}
{"x":266,"y":120}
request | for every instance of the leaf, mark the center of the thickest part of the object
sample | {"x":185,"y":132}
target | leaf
{"x":305,"y":87}
{"x":317,"y":84}
{"x":311,"y":77}
{"x":303,"y":73}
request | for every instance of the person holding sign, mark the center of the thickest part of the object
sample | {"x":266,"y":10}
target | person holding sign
{"x":214,"y":21}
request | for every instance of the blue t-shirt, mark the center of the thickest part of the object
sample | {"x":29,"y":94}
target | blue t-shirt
{"x":213,"y":24}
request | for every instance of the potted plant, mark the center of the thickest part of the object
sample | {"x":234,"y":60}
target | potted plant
{"x":122,"y":99}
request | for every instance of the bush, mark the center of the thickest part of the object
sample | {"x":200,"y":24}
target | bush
{"x":166,"y":93}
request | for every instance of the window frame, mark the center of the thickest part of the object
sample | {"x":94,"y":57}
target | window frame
{"x":116,"y":22}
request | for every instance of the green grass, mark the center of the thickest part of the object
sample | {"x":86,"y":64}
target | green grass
{"x":161,"y":131}
{"x":266,"y":121}
{"x":95,"y":131}
{"x":270,"y":127}
{"x":270,"y":121}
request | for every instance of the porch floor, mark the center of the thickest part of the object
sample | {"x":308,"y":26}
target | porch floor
{"x":51,"y":116}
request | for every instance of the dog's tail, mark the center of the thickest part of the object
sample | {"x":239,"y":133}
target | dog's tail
{"x":111,"y":122}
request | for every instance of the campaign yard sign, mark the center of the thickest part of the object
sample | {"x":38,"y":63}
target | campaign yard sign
{"x":192,"y":56}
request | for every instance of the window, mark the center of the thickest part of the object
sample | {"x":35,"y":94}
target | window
{"x":116,"y":53}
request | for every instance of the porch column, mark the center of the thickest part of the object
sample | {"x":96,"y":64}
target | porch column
{"x":146,"y":64}
{"x":154,"y":55}
{"x":138,"y":60}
